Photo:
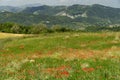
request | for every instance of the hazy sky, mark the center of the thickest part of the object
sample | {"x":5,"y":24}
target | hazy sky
{"x":113,"y":3}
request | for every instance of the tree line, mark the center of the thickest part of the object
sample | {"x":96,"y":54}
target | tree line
{"x":33,"y":29}
{"x":43,"y":28}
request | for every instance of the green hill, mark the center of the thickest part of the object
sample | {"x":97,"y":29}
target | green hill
{"x":75,"y":16}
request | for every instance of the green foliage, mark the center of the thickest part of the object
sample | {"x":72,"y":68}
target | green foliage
{"x":34,"y":29}
{"x":58,"y":28}
{"x":15,"y":29}
{"x":102,"y":28}
{"x":43,"y":28}
{"x":39,"y":28}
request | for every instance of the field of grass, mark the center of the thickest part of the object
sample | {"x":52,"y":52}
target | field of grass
{"x":61,"y":56}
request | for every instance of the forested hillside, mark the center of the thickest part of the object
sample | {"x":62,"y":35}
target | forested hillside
{"x":75,"y":16}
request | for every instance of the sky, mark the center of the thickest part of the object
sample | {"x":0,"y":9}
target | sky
{"x":112,"y":3}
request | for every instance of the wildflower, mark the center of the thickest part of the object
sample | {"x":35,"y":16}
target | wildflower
{"x":31,"y":72}
{"x":62,"y":68}
{"x":32,"y":61}
{"x":21,"y":46}
{"x":65,"y":73}
{"x":84,"y":65}
{"x":88,"y":69}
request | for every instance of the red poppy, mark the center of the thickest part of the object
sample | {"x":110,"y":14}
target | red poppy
{"x":88,"y":69}
{"x":65,"y":73}
{"x":21,"y":46}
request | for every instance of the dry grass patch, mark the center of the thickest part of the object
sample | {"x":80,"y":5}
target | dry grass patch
{"x":8,"y":35}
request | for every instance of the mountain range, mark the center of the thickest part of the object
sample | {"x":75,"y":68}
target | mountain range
{"x":75,"y":15}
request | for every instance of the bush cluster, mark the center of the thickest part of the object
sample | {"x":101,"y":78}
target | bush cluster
{"x":33,"y":29}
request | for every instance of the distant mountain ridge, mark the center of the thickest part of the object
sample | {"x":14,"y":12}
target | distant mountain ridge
{"x":75,"y":11}
{"x":10,"y":9}
{"x":18,"y":8}
{"x":68,"y":15}
{"x":31,"y":5}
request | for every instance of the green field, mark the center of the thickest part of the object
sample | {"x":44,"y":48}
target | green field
{"x":61,"y":56}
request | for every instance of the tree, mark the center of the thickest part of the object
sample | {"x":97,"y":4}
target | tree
{"x":15,"y":29}
{"x":58,"y":28}
{"x":38,"y":28}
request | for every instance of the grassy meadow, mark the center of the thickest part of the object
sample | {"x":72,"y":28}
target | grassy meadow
{"x":60,"y":56}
